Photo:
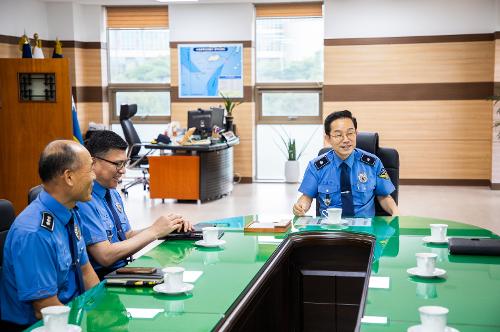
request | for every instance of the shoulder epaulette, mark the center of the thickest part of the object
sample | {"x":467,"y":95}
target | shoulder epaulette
{"x":322,"y":162}
{"x":368,"y":159}
{"x":47,"y":221}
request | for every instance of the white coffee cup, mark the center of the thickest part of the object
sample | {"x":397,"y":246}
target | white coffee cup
{"x":426,"y":262}
{"x":433,"y":318}
{"x":210,"y":234}
{"x":173,"y":277}
{"x":438,"y":231}
{"x":55,"y":318}
{"x":332,"y":215}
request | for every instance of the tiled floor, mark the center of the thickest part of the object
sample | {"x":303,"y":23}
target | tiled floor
{"x":478,"y":206}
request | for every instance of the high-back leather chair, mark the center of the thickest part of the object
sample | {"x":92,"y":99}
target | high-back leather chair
{"x":33,"y":193}
{"x":7,"y":216}
{"x":389,"y":158}
{"x":137,"y":161}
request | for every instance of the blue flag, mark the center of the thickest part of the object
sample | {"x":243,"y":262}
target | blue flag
{"x":25,"y":47}
{"x":57,"y":49}
{"x":77,"y":134}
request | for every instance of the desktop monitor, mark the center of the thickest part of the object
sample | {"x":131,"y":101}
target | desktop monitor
{"x":217,"y":117}
{"x":201,"y":120}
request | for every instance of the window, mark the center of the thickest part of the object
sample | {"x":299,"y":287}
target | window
{"x":289,"y":76}
{"x":139,"y":62}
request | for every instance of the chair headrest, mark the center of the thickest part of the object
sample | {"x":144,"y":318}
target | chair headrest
{"x":367,"y":141}
{"x":127,"y":111}
{"x":7,"y":214}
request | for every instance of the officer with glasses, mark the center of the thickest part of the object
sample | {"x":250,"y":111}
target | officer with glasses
{"x":109,"y":238}
{"x":345,"y":177}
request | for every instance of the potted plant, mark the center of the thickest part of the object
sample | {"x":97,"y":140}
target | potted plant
{"x":289,"y":149}
{"x":229,"y":105}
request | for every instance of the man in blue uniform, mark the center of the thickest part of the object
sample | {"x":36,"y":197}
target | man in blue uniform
{"x":345,"y":177}
{"x":106,"y":229}
{"x":45,"y":261}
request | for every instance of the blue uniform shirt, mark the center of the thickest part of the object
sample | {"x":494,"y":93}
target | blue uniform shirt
{"x":368,"y":179}
{"x":97,"y":220}
{"x":37,"y":259}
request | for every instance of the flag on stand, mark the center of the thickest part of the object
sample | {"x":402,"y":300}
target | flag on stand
{"x":77,"y":134}
{"x":57,"y":49}
{"x":37,"y":49}
{"x":24,"y":46}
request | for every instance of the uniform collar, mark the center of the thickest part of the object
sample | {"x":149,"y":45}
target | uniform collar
{"x":349,"y":161}
{"x":58,"y":210}
{"x":99,"y":190}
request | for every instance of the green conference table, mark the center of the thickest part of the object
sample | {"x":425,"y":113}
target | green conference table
{"x":224,"y":278}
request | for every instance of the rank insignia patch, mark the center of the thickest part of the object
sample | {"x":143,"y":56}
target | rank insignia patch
{"x":362,"y":177}
{"x":368,"y":160}
{"x":47,"y":221}
{"x":77,"y":232}
{"x":321,"y":163}
{"x":119,"y":207}
{"x":383,"y":174}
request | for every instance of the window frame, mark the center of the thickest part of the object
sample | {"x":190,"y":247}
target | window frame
{"x":262,"y":87}
{"x":113,"y":88}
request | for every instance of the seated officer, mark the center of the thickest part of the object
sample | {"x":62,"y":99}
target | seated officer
{"x":345,"y":177}
{"x":106,"y":229}
{"x":45,"y":261}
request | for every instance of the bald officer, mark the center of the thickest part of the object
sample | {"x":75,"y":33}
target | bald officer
{"x":45,"y":261}
{"x":345,"y":177}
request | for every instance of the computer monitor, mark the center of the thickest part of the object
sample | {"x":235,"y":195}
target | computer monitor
{"x":201,"y":120}
{"x":217,"y":116}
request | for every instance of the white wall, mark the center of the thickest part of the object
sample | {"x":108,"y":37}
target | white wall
{"x":17,"y":16}
{"x":221,"y":22}
{"x":393,"y":18}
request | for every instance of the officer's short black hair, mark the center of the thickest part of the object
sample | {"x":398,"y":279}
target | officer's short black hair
{"x":102,"y":141}
{"x":57,"y":157}
{"x":339,"y":115}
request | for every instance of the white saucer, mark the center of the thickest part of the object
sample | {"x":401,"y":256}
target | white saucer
{"x":71,"y":328}
{"x":418,"y":328}
{"x":435,"y":274}
{"x":217,"y":243}
{"x":429,"y":239}
{"x":162,"y":288}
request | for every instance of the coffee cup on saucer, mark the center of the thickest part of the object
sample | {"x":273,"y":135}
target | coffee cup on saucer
{"x":333,"y":216}
{"x":210,"y":234}
{"x":438,"y":232}
{"x":173,"y":277}
{"x":55,"y":318}
{"x":433,"y":318}
{"x":426,"y":262}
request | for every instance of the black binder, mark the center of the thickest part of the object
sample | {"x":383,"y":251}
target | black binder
{"x":474,"y":246}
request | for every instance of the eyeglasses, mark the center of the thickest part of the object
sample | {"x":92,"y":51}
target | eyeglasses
{"x":339,"y":136}
{"x":118,"y":164}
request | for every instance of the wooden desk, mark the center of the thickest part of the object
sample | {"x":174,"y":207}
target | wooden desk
{"x":192,"y":172}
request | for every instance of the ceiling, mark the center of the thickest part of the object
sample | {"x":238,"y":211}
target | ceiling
{"x":154,"y":2}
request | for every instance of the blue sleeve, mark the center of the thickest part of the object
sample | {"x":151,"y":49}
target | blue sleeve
{"x":384,"y":184}
{"x":35,"y":266}
{"x":84,"y":258}
{"x":309,"y":185}
{"x":92,"y":229}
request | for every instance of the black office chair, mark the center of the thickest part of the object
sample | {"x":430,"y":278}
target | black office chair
{"x":7,"y":216}
{"x":137,"y":161}
{"x":34,"y":192}
{"x":389,"y":158}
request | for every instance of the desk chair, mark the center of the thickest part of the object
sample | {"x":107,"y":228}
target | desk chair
{"x":389,"y":158}
{"x":7,"y":216}
{"x":33,"y":193}
{"x":137,"y":161}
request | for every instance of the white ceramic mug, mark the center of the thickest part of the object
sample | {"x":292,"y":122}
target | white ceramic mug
{"x":173,"y":277}
{"x":426,"y":262}
{"x":438,"y":231}
{"x":433,"y":318}
{"x":55,"y":318}
{"x":332,"y":215}
{"x":210,"y":234}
